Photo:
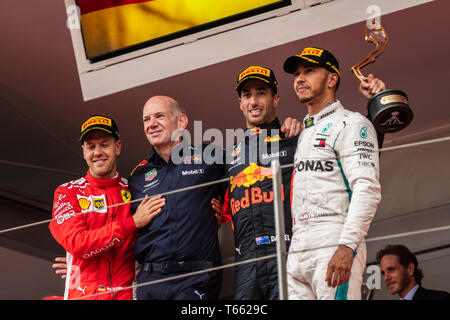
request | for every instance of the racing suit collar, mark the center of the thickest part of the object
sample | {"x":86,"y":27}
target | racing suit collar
{"x":103,"y":183}
{"x":154,"y":157}
{"x":310,"y":121}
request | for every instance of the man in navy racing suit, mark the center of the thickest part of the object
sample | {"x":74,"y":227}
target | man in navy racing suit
{"x":249,"y":198}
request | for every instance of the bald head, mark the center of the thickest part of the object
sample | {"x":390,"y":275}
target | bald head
{"x":162,"y":117}
{"x":172,"y":105}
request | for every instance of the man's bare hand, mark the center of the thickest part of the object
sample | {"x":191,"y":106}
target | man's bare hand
{"x":60,"y":267}
{"x":291,"y":127}
{"x":339,"y":267}
{"x":147,"y":210}
{"x":371,"y":86}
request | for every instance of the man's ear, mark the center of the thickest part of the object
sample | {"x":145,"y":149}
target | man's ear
{"x":276,"y":100}
{"x":182,"y":121}
{"x":240,"y":103}
{"x":83,"y":148}
{"x":410,"y":269}
{"x":118,"y":147}
{"x":333,"y":80}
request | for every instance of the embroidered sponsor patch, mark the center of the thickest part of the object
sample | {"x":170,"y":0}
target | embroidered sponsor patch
{"x":126,"y":196}
{"x":151,"y":175}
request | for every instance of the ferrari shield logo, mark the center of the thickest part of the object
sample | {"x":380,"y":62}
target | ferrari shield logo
{"x":126,"y":196}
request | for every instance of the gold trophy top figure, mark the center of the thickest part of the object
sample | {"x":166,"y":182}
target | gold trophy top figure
{"x":375,"y":34}
{"x":388,"y":110}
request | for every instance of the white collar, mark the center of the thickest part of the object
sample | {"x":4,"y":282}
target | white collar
{"x":310,"y":121}
{"x":411,"y":293}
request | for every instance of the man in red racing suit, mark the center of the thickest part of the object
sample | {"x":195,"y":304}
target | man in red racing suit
{"x":99,"y":244}
{"x":93,"y":222}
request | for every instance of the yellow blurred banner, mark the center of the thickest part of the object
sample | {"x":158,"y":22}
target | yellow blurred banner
{"x":109,"y":25}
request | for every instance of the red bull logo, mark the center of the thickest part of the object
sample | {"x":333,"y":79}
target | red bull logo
{"x":250,"y":175}
{"x":247,"y":177}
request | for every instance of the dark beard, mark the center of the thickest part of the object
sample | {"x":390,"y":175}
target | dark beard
{"x":315,"y":93}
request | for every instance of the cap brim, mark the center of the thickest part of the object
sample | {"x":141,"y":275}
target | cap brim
{"x":290,"y":64}
{"x":96,"y":128}
{"x":240,"y":83}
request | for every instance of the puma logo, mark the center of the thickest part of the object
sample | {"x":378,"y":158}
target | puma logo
{"x":199,"y":294}
{"x":82,"y":289}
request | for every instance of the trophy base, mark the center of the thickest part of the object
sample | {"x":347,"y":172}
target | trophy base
{"x":389,"y":111}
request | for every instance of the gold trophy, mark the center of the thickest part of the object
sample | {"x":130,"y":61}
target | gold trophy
{"x":388,"y":110}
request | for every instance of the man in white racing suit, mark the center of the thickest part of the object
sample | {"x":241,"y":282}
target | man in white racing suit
{"x":335,"y":188}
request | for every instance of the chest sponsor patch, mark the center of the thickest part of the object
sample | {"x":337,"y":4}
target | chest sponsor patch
{"x":99,"y":203}
{"x":93,"y":203}
{"x":314,"y":165}
{"x":126,"y":196}
{"x":320,"y":143}
{"x":149,"y":176}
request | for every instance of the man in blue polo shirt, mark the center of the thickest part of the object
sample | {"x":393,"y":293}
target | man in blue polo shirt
{"x":183,"y":237}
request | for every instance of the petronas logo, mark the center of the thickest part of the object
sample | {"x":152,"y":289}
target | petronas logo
{"x":363,"y":132}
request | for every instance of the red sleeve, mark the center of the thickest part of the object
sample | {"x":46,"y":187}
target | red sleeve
{"x":69,"y":228}
{"x":226,"y":209}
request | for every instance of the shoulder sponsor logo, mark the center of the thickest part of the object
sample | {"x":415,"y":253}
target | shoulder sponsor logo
{"x":327,"y":126}
{"x":126,"y":196}
{"x":236,"y":151}
{"x":192,"y":172}
{"x":62,"y":211}
{"x":366,"y":144}
{"x":363,"y":133}
{"x":149,"y":176}
{"x":278,"y":154}
{"x":273,"y":139}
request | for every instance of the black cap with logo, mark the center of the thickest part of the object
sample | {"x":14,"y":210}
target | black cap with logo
{"x":313,"y":55}
{"x":260,"y":73}
{"x":98,"y":122}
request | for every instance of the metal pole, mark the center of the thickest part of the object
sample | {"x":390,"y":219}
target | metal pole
{"x":279,"y":228}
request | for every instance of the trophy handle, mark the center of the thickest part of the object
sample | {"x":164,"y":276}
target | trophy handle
{"x":377,"y":36}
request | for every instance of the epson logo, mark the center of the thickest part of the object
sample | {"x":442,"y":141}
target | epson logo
{"x":313,"y":165}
